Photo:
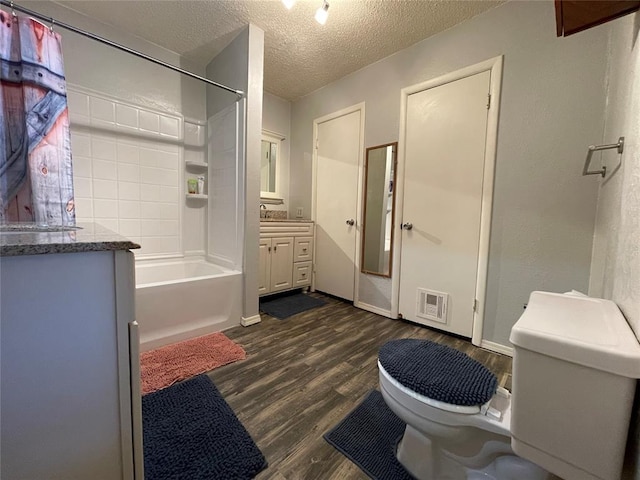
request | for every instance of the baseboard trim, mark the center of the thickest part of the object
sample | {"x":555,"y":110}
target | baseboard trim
{"x":245,"y":322}
{"x":496,"y":347}
{"x":373,"y":309}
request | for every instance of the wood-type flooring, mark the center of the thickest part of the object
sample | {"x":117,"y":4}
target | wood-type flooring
{"x":303,"y":374}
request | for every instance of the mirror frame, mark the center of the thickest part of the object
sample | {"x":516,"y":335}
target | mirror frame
{"x":273,"y":197}
{"x":393,"y":178}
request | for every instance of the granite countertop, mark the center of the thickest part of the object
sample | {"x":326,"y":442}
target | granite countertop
{"x":90,"y":237}
{"x":288,"y":220}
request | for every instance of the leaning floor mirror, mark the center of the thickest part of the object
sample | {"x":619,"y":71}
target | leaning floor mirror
{"x":379,"y":202}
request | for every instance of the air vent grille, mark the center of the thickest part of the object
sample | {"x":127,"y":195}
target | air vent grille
{"x":432,"y":305}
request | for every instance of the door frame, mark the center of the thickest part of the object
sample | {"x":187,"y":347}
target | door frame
{"x":314,"y":169}
{"x":494,"y":66}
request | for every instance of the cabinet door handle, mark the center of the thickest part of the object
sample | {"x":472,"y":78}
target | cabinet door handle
{"x":304,"y":274}
{"x":304,"y":249}
{"x":275,"y":248}
{"x":269,"y":249}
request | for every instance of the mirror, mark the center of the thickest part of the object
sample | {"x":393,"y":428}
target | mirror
{"x":268,"y":166}
{"x":270,"y":152}
{"x":379,"y":203}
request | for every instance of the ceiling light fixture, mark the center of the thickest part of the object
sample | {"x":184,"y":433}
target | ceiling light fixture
{"x":289,"y":3}
{"x":322,"y":13}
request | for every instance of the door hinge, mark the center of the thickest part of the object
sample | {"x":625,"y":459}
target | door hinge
{"x":488,"y":101}
{"x":475,"y":305}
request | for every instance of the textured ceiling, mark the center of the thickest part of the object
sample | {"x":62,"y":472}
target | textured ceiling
{"x":300,"y":55}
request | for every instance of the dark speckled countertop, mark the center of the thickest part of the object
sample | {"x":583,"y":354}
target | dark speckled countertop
{"x":295,"y":220}
{"x":90,"y":237}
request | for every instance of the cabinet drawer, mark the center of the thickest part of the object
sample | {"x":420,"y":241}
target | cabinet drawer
{"x":301,"y":274}
{"x":303,"y":250}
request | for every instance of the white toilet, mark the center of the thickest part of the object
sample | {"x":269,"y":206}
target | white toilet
{"x":575,"y":365}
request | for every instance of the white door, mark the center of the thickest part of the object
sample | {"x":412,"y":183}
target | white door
{"x":445,"y":138}
{"x":337,"y":157}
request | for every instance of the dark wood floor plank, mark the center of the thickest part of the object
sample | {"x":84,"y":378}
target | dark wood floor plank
{"x":302,"y":375}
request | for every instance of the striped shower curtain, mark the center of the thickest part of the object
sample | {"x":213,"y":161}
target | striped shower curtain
{"x":36,"y":176}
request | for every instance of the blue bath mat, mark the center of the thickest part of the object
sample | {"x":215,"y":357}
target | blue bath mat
{"x":288,"y":305}
{"x":368,"y":436}
{"x":191,"y":433}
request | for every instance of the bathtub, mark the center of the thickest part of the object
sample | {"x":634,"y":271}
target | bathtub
{"x":182,"y":299}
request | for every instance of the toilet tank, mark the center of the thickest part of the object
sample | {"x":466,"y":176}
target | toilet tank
{"x":575,"y":365}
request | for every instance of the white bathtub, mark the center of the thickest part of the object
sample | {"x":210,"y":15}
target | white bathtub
{"x":182,"y":299}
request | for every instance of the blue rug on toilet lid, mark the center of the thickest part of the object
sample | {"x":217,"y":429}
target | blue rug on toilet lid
{"x":438,"y":372}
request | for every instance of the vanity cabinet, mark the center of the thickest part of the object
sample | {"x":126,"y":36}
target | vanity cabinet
{"x":70,"y":377}
{"x":276,"y":259}
{"x":286,"y":256}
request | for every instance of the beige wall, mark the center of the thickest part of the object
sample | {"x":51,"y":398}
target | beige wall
{"x":552,"y":109}
{"x":615,"y":268}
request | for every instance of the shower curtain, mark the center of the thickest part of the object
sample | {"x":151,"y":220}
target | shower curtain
{"x":36,"y":176}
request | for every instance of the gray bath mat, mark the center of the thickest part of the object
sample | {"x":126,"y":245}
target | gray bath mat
{"x":368,"y":436}
{"x":288,"y":305}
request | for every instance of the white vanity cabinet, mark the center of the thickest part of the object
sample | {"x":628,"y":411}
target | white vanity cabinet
{"x":276,"y":258}
{"x":286,"y":256}
{"x":70,"y":388}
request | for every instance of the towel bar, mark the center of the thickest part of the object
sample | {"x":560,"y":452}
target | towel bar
{"x":594,"y":148}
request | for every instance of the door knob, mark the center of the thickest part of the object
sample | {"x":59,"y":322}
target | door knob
{"x":351,"y":222}
{"x":407,"y":226}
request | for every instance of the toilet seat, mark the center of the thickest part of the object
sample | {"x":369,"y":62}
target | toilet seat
{"x":448,"y":407}
{"x":426,"y":382}
{"x":438,"y":372}
{"x":407,"y":403}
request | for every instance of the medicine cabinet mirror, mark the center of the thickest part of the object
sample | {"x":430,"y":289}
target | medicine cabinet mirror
{"x":379,"y":206}
{"x":270,"y":155}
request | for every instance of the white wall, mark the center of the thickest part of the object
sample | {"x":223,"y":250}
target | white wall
{"x":240,"y":65}
{"x":552,"y":108}
{"x":127,"y":96}
{"x":276,"y":118}
{"x":615,"y":268}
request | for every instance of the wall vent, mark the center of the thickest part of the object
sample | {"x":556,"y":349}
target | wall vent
{"x":432,"y":305}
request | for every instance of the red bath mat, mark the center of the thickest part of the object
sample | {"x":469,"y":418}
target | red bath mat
{"x":167,"y":365}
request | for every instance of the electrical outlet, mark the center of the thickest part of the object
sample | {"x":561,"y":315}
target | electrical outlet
{"x":299,"y":212}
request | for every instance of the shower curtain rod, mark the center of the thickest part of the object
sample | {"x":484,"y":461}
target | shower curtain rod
{"x":105,"y":41}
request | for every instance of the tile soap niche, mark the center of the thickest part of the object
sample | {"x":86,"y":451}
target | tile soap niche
{"x":195,"y":159}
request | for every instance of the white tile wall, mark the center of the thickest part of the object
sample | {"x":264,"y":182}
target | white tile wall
{"x":128,"y":170}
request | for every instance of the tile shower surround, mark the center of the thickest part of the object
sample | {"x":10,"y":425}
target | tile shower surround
{"x":128,"y":169}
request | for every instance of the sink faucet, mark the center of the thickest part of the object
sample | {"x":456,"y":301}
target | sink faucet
{"x":263,"y":206}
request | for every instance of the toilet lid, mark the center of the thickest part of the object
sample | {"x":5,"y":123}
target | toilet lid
{"x":438,"y":372}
